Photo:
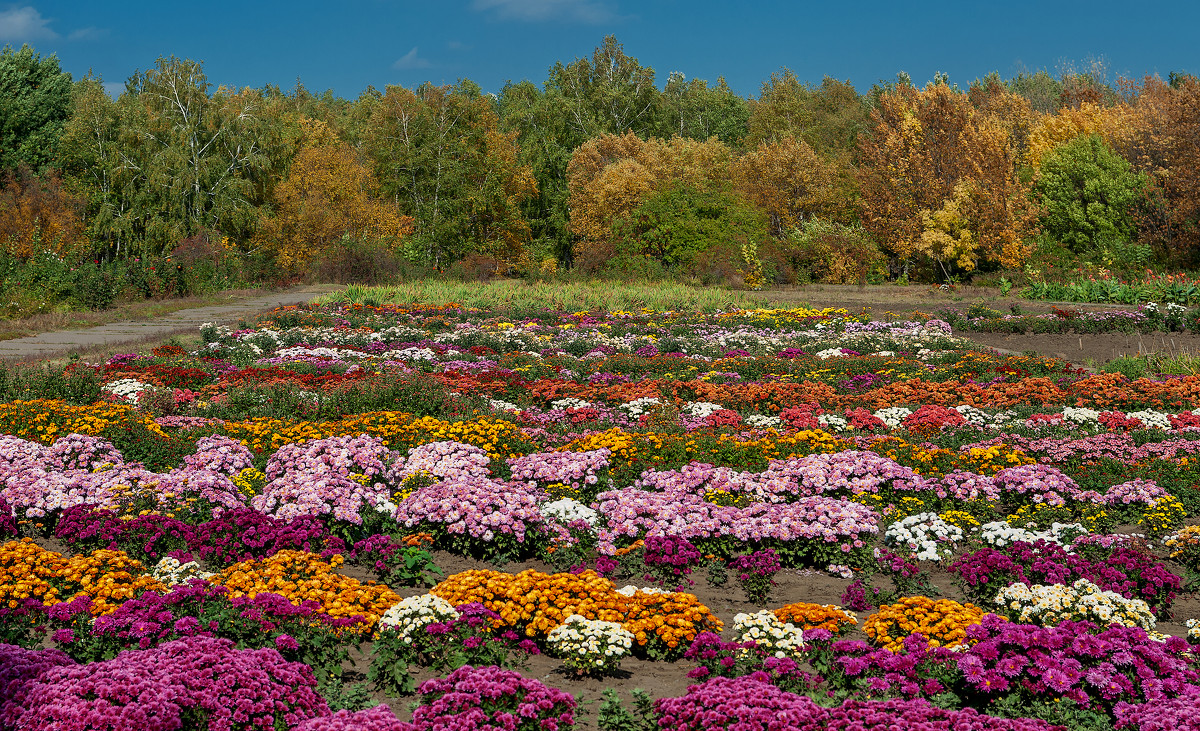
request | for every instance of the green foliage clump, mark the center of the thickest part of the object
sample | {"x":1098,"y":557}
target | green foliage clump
{"x":676,"y":226}
{"x":1088,"y":193}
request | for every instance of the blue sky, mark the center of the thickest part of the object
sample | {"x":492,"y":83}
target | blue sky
{"x":349,"y":45}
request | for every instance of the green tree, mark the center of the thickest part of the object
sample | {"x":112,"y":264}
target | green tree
{"x":696,"y":110}
{"x":544,"y":140}
{"x":1087,"y":192}
{"x":96,"y":152}
{"x":166,"y":160}
{"x":676,"y":225}
{"x":35,"y":101}
{"x":609,"y":93}
{"x":442,"y":158}
{"x":197,"y":152}
{"x":828,"y":117}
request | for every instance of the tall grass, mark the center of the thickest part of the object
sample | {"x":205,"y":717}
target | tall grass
{"x":516,"y":295}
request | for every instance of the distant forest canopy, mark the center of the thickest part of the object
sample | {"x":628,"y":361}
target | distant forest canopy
{"x":604,"y":168}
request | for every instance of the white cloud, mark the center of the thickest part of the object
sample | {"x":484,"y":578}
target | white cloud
{"x":89,"y":33}
{"x":583,"y":11}
{"x":114,"y":88}
{"x":411,"y":60}
{"x":24,"y":24}
{"x":457,"y":46}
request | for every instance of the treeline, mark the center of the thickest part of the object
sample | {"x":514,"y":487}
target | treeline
{"x":600,"y":168}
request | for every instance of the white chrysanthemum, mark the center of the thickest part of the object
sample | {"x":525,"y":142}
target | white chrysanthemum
{"x":762,"y":421}
{"x":925,"y":534}
{"x":1081,"y":415}
{"x":893,"y":415}
{"x":416,"y":612}
{"x":590,"y":645}
{"x":1051,"y":604}
{"x":639,"y":406}
{"x":172,"y":573}
{"x":567,"y":510}
{"x":126,"y":388}
{"x":768,"y":632}
{"x":1000,"y":533}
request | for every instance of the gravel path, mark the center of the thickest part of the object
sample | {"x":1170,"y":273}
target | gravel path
{"x":65,"y":342}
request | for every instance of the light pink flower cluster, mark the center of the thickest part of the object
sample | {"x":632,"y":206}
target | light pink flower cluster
{"x":1044,"y":484}
{"x":634,"y":513}
{"x":574,"y":469}
{"x":1146,"y":492}
{"x":362,"y":454}
{"x":448,"y":460}
{"x":82,"y":452}
{"x":17,"y":454}
{"x":220,"y":454}
{"x":40,"y":492}
{"x":214,"y":487}
{"x":478,"y":507}
{"x":323,"y":493}
{"x":846,"y":473}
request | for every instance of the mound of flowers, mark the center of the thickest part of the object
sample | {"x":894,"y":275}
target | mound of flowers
{"x":662,"y":623}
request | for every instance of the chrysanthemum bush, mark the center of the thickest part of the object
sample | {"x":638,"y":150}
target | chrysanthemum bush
{"x":752,"y":703}
{"x":1121,"y":566}
{"x":755,"y":572}
{"x":301,"y":633}
{"x":809,"y":616}
{"x":492,"y":697}
{"x":590,"y":646}
{"x":1081,"y":601}
{"x":1018,"y":668}
{"x":943,"y":622}
{"x":925,"y":534}
{"x":427,"y":631}
{"x":534,"y":603}
{"x":480,"y":517}
{"x":28,"y":571}
{"x":768,"y":632}
{"x":299,"y":576}
{"x":200,"y":682}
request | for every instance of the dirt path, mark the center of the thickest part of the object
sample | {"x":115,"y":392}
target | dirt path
{"x":66,"y":342}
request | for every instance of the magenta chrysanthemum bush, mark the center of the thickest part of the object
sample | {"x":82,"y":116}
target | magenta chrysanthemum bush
{"x":19,"y":669}
{"x":202,"y":682}
{"x":1173,"y":714}
{"x":751,"y":703}
{"x":379,"y":718}
{"x":492,"y":698}
{"x":1095,"y":667}
{"x":8,"y":521}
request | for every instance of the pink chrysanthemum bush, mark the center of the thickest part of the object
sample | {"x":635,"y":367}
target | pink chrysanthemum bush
{"x":197,"y":682}
{"x":751,"y":703}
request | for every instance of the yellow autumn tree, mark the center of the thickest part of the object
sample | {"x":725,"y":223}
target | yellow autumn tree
{"x":327,"y":197}
{"x":947,"y":236}
{"x":787,"y":180}
{"x":925,"y":146}
{"x":1117,"y":125}
{"x":611,"y":175}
